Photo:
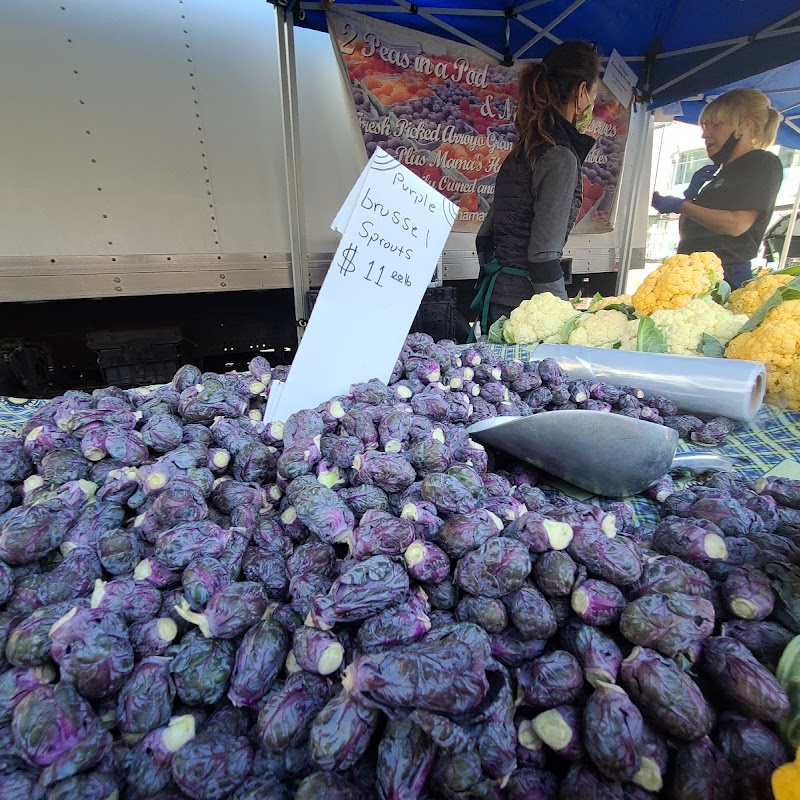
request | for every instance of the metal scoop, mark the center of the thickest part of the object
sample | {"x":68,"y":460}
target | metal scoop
{"x":605,"y":454}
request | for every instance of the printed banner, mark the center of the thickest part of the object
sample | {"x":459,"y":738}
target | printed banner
{"x":445,"y":110}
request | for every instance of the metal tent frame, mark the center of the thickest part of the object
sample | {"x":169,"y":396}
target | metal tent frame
{"x":671,"y":46}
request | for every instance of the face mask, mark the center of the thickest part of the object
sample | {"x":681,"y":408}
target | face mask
{"x":725,"y":152}
{"x":583,"y":120}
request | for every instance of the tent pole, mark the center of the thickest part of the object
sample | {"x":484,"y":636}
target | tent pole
{"x":787,"y":243}
{"x":549,"y":27}
{"x":637,"y":170}
{"x":284,"y":25}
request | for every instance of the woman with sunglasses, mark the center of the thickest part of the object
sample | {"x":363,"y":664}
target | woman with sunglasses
{"x":728,"y":204}
{"x":538,"y":191}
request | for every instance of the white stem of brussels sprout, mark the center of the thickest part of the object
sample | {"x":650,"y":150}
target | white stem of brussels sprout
{"x":438,"y":435}
{"x":32,"y":483}
{"x":166,"y":629}
{"x":257,"y":387}
{"x":221,"y":459}
{"x":336,"y":410}
{"x":142,"y":571}
{"x":414,"y":553}
{"x":410,"y":511}
{"x":62,"y":621}
{"x":404,"y":392}
{"x":330,"y":477}
{"x":393,"y":446}
{"x":65,"y":548}
{"x":456,"y":383}
{"x":331,"y":659}
{"x":34,"y":434}
{"x":179,"y":731}
{"x":609,"y":525}
{"x":289,"y":515}
{"x":649,"y":776}
{"x":434,"y":375}
{"x":349,"y":679}
{"x":527,"y":736}
{"x":744,"y":608}
{"x":497,"y":521}
{"x":425,"y":620}
{"x":559,"y":534}
{"x":291,"y":663}
{"x":552,"y":729}
{"x":156,"y":480}
{"x":714,"y":546}
{"x":312,"y":622}
{"x":94,"y":454}
{"x":99,"y":593}
{"x":357,"y":462}
{"x":201,"y":620}
{"x":594,"y":676}
{"x":45,"y":673}
{"x":276,"y":431}
{"x":255,"y":415}
{"x":114,"y":795}
{"x":580,"y":602}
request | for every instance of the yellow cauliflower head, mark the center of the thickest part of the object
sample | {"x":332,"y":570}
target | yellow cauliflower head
{"x":538,"y":320}
{"x":683,"y":327}
{"x":605,"y":302}
{"x":600,"y":329}
{"x":776,"y":343}
{"x":752,"y":295}
{"x":678,"y":280}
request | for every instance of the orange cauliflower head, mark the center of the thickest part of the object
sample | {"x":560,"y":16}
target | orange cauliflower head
{"x":753,"y":294}
{"x":678,"y":280}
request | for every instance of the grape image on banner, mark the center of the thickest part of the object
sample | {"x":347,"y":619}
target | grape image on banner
{"x":446,"y":111}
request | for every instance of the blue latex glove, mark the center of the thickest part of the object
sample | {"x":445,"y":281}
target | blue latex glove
{"x":667,"y":205}
{"x":700,"y":179}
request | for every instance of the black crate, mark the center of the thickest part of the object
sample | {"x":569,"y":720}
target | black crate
{"x":136,"y":358}
{"x":436,"y":315}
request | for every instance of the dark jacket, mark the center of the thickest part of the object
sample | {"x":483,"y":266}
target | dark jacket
{"x":535,"y":208}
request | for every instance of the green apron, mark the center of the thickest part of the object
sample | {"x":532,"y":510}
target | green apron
{"x":485,"y":287}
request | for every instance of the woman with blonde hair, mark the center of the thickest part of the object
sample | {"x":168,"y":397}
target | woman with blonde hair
{"x":538,"y":190}
{"x":728,"y":204}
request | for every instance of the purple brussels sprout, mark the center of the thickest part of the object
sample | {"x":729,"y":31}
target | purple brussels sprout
{"x":748,"y":594}
{"x":530,"y":748}
{"x":299,"y":458}
{"x":554,"y":679}
{"x":6,"y":496}
{"x":358,"y":424}
{"x":186,"y":376}
{"x":551,"y":373}
{"x":176,"y":547}
{"x":597,"y":653}
{"x":765,"y":640}
{"x":152,"y":637}
{"x":489,"y":613}
{"x":432,"y":405}
{"x":72,"y":577}
{"x":530,"y":783}
{"x":381,"y":533}
{"x":430,"y":456}
{"x":714,"y":431}
{"x":119,"y":551}
{"x":612,"y":731}
{"x":133,"y":600}
{"x":341,"y":733}
{"x":312,"y":557}
{"x":56,"y":729}
{"x":597,"y":602}
{"x":701,"y":772}
{"x":286,"y":718}
{"x":744,"y":683}
{"x":151,"y":571}
{"x":92,"y":648}
{"x":530,"y":613}
{"x":655,"y":761}
{"x":393,"y":431}
{"x":462,"y":533}
{"x":230,"y":612}
{"x":162,"y":433}
{"x":755,"y":751}
{"x":45,"y":438}
{"x":512,"y":651}
{"x":320,"y":509}
{"x":363,"y":589}
{"x":122,"y":444}
{"x":405,"y":759}
{"x":423,"y":515}
{"x":18,"y":682}
{"x":259,"y":658}
{"x":426,"y":562}
{"x":201,"y":669}
{"x":15,"y":463}
{"x":697,"y":542}
{"x":145,"y":700}
{"x":304,"y":589}
{"x":212,"y":766}
{"x":389,"y":471}
{"x":328,"y":785}
{"x":60,"y":466}
{"x":400,"y":624}
{"x":340,"y":451}
{"x":671,"y":624}
{"x":666,"y":695}
{"x":448,"y":735}
{"x":453,"y":680}
{"x":499,"y":566}
{"x":267,"y":568}
{"x":148,"y":765}
{"x":28,"y":643}
{"x":459,"y":490}
{"x":88,"y":786}
{"x":561,"y":729}
{"x":615,"y":560}
{"x":667,"y":575}
{"x":684,"y":424}
{"x":316,"y":651}
{"x":262,"y":787}
{"x":202,"y":403}
{"x":555,"y":573}
{"x":531,"y":497}
{"x":255,"y":463}
{"x":304,"y":424}
{"x":661,"y":489}
{"x":540,"y":534}
{"x":361,"y":499}
{"x":119,"y":486}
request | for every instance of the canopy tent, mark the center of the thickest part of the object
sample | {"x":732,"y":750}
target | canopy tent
{"x":676,"y":48}
{"x":781,"y":85}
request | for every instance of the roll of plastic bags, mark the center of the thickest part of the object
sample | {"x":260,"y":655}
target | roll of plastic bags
{"x":707,"y":386}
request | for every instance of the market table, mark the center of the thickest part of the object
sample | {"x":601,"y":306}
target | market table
{"x":772,"y":438}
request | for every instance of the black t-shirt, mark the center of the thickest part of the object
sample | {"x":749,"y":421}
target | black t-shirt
{"x":750,"y":183}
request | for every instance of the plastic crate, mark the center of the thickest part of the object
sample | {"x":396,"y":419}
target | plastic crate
{"x":436,"y":315}
{"x":136,"y":358}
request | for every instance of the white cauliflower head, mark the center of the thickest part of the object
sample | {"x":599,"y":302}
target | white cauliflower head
{"x":538,"y":320}
{"x":683,"y":328}
{"x":630,"y":335}
{"x":600,"y":329}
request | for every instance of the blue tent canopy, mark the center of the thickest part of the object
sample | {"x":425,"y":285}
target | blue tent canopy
{"x":677,"y":48}
{"x":781,"y":85}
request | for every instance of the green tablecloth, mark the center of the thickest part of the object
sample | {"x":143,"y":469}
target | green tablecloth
{"x":772,"y":438}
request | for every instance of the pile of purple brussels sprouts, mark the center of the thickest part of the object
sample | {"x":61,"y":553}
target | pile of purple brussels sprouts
{"x":364,"y":603}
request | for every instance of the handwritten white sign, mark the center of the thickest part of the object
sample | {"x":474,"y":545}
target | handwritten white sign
{"x":620,"y":78}
{"x":394,"y":227}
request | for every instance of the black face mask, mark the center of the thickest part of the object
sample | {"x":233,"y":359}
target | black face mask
{"x":725,"y":152}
